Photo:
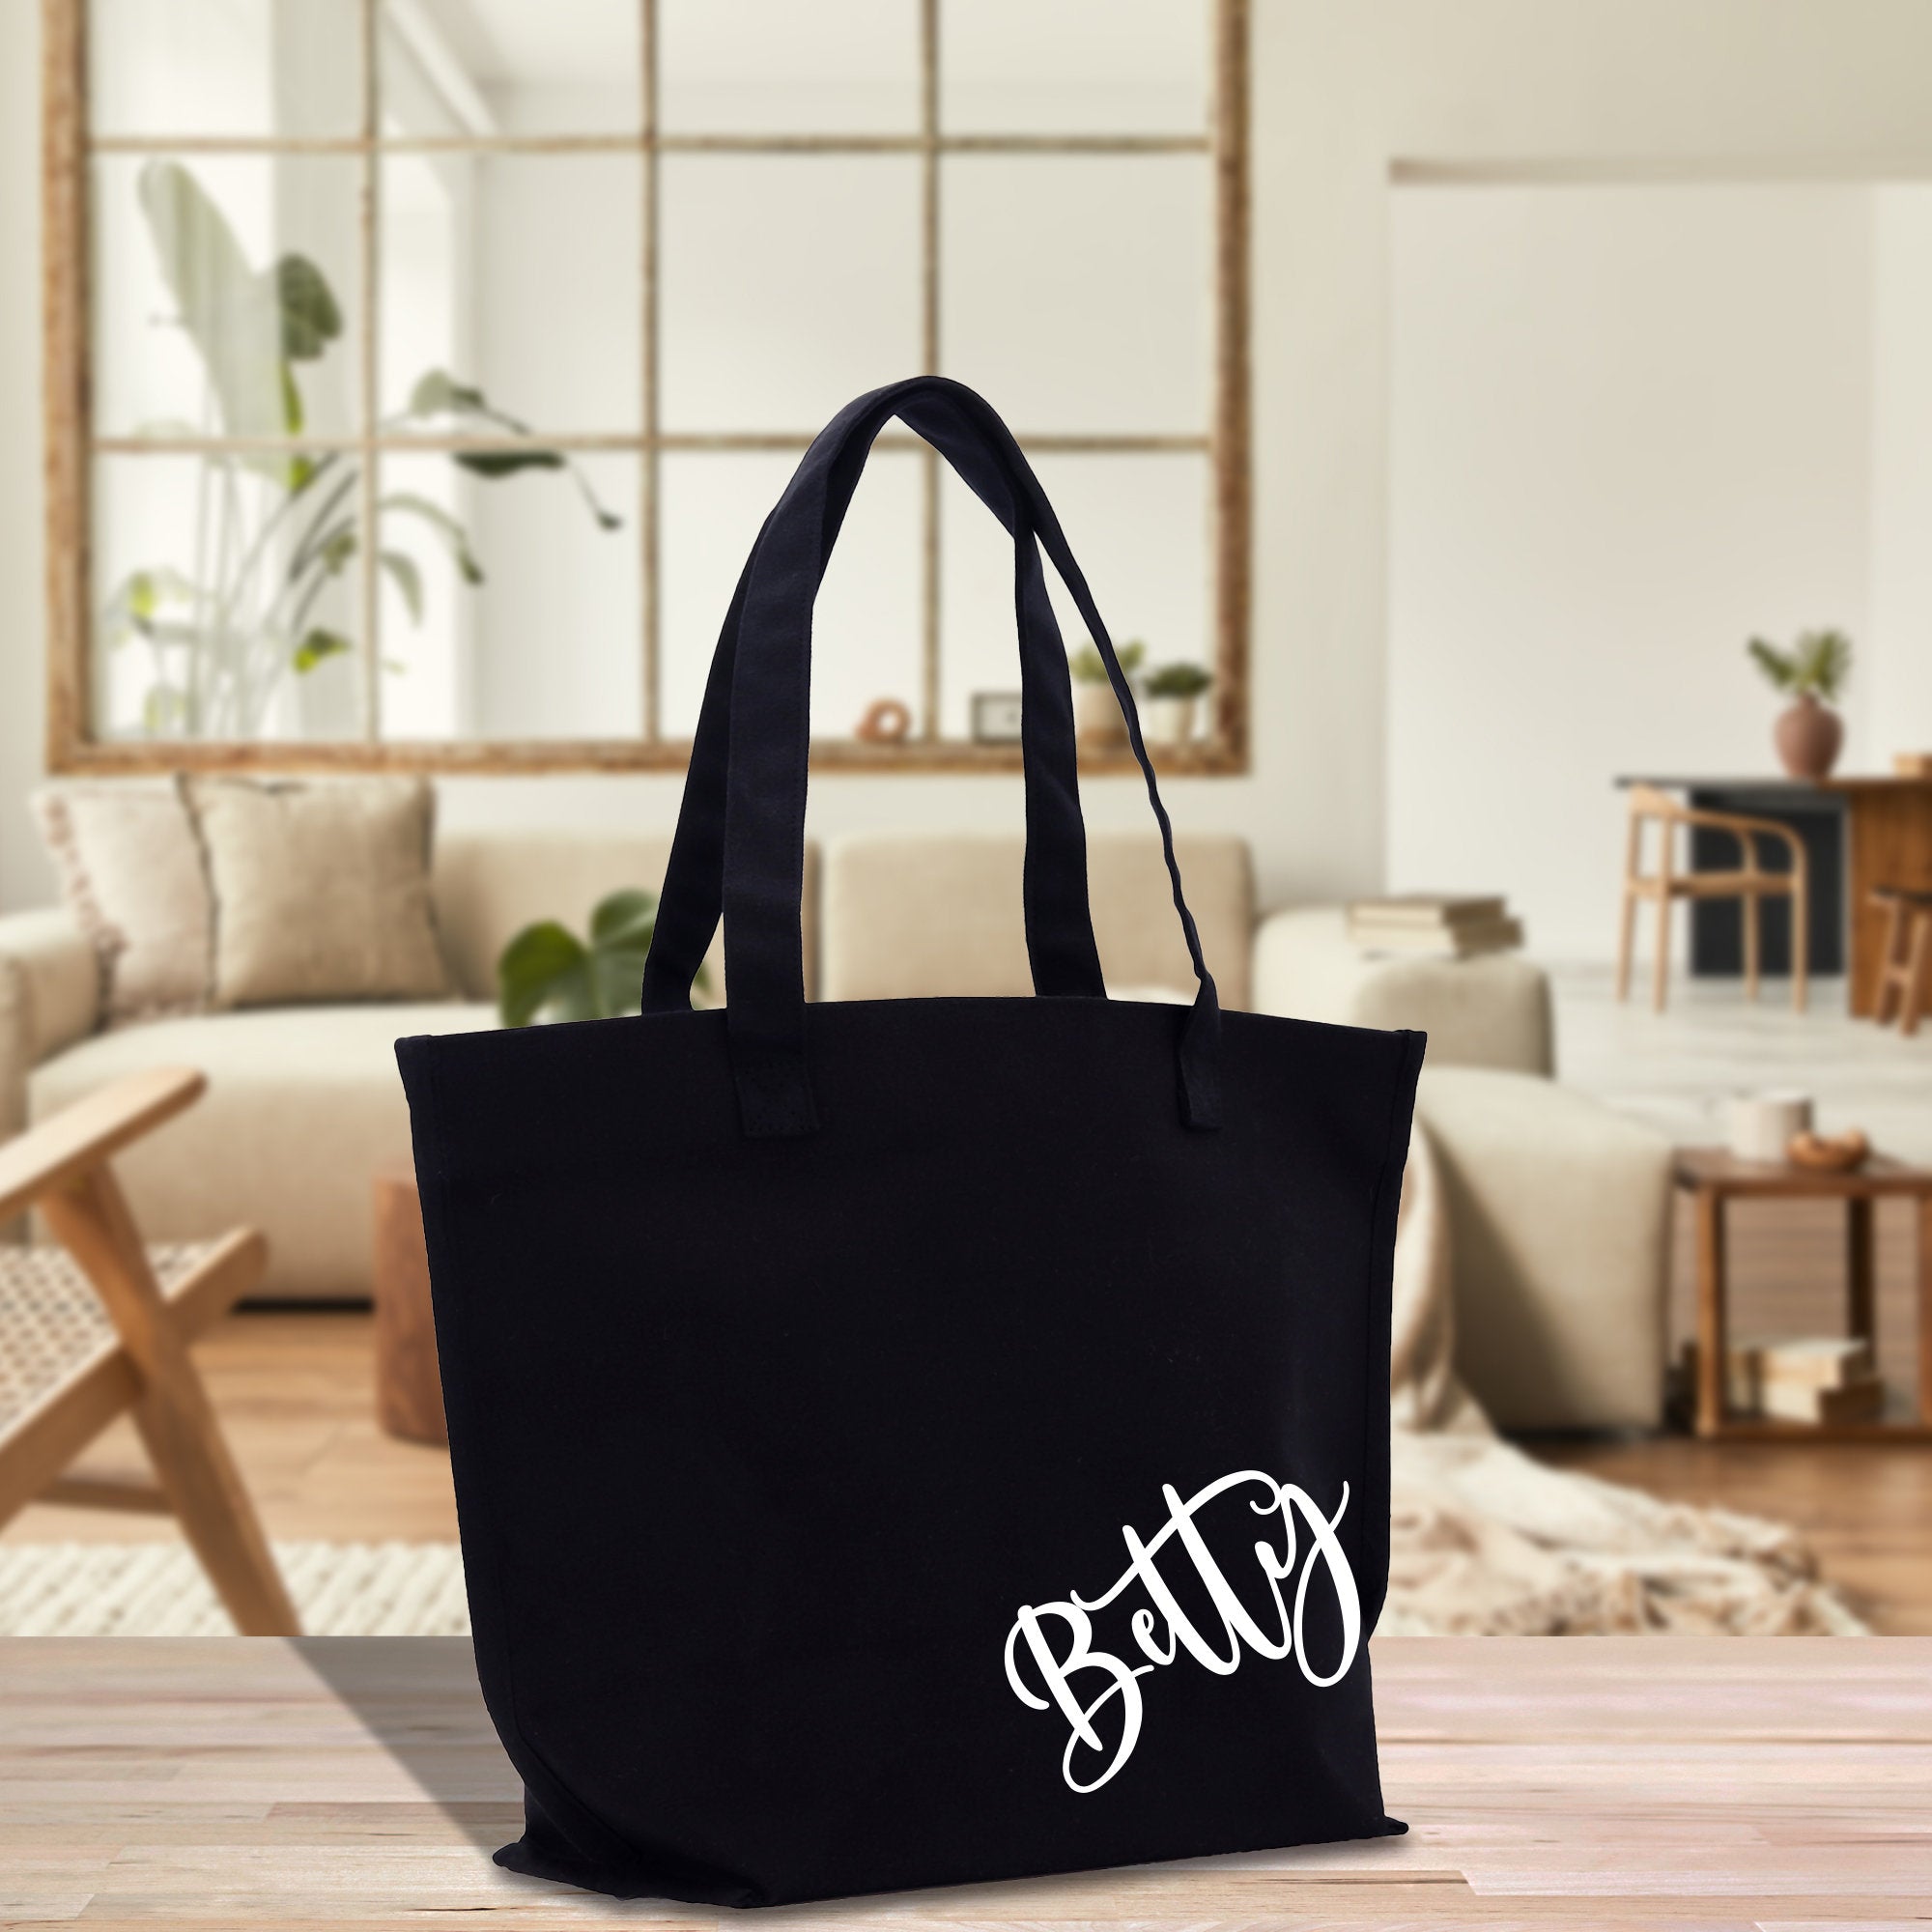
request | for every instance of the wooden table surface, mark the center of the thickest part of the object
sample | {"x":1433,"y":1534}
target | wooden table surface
{"x":1548,"y":1782}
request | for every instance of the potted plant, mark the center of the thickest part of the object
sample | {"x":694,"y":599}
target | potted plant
{"x":547,"y":972}
{"x":1813,"y":672}
{"x":1098,"y":717}
{"x":1174,"y":694}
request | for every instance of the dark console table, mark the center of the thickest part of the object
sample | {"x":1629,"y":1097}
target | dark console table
{"x":1857,"y":833}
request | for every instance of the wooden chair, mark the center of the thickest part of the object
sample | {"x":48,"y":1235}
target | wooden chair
{"x":1750,"y":884}
{"x":99,"y":1328}
{"x":1905,"y":965}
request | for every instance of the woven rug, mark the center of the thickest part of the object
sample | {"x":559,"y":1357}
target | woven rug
{"x":158,"y":1589}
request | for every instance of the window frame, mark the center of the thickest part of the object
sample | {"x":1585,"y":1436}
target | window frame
{"x":71,"y":446}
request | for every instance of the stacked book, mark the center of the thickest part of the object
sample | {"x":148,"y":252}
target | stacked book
{"x":1807,"y":1379}
{"x":1440,"y":924}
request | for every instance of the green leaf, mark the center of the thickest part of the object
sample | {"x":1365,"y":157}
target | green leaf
{"x":231,"y":315}
{"x":167,"y":586}
{"x":1824,"y":660}
{"x":407,"y":503}
{"x":1179,"y":680}
{"x":544,"y":971}
{"x":407,"y":578}
{"x":437,"y":393}
{"x":618,"y":979}
{"x":494,"y":463}
{"x":548,"y":971}
{"x":1089,"y":666}
{"x":291,"y":402}
{"x":311,"y":319}
{"x":625,"y":919}
{"x":317,"y":647}
{"x":1778,"y":669}
{"x":136,"y":603}
{"x":1819,"y":665}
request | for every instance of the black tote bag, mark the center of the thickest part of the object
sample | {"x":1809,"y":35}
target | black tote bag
{"x":906,"y":1442}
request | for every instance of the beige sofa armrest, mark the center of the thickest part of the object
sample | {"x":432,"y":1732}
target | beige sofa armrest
{"x":1559,"y":1226}
{"x":50,"y":998}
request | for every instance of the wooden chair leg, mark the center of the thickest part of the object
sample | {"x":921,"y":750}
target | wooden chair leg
{"x":1917,"y":972}
{"x":1625,"y":943}
{"x":1801,"y":932}
{"x":1890,"y":960}
{"x":89,"y":1217}
{"x":1747,"y":909}
{"x":1632,"y":872}
{"x":1659,"y":981}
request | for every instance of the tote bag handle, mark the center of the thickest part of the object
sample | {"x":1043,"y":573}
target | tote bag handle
{"x":1058,"y":928}
{"x":768,"y":737}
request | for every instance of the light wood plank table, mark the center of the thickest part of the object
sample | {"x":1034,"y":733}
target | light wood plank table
{"x":1548,"y":1782}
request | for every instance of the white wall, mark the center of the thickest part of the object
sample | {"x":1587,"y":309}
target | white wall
{"x":1896,"y":688}
{"x":1631,"y":427}
{"x":1341,"y":93}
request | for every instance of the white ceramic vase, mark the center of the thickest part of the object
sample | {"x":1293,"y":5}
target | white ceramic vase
{"x":1169,"y":721}
{"x":1097,"y":715}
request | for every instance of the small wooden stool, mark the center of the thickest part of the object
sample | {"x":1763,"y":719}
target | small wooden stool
{"x":408,"y":1383}
{"x":1905,"y":965}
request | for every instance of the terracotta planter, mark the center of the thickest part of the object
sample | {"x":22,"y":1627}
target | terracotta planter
{"x":1097,"y":715}
{"x":1168,"y":720}
{"x":1808,"y":737}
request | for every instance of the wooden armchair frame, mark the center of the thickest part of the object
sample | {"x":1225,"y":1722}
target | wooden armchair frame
{"x":1749,"y":883}
{"x":61,"y":1167}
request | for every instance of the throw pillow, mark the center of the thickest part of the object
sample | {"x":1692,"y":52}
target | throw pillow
{"x":129,"y":872}
{"x":321,"y":888}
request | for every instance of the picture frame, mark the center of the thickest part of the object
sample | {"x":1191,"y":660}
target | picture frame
{"x":996,"y":718}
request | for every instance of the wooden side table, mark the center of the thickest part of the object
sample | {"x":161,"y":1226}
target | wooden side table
{"x":409,"y":1385}
{"x":1715,"y":1178}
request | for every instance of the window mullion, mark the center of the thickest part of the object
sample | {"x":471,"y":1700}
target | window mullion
{"x":649,"y":602}
{"x":371,"y":294}
{"x":929,"y":583}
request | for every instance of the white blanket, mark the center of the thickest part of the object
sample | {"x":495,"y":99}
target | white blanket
{"x":1486,"y":1541}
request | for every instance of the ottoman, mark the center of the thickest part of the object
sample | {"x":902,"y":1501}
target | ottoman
{"x":1491,"y":1010}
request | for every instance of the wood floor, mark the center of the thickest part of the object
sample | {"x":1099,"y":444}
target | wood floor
{"x":294,"y":1391}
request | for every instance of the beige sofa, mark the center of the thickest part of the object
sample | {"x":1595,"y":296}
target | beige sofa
{"x":303,"y":1104}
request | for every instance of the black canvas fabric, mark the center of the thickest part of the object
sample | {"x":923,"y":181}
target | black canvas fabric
{"x":906,"y":1442}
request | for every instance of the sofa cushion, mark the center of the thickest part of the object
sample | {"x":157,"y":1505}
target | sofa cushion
{"x":321,"y":888}
{"x":303,"y":1108}
{"x":923,"y":915}
{"x":130,"y":871}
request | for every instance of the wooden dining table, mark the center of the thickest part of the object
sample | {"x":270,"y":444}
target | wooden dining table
{"x":1703,"y":1785}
